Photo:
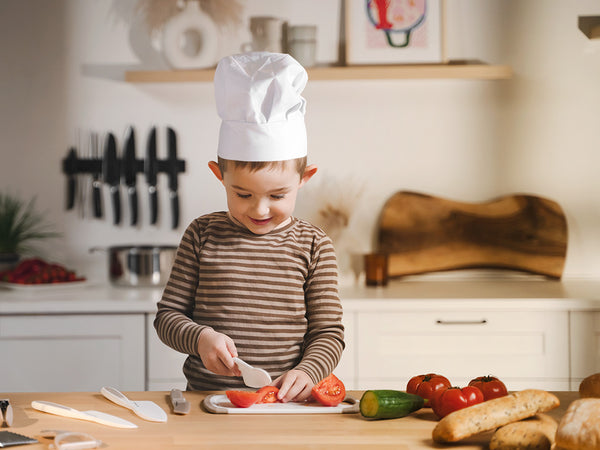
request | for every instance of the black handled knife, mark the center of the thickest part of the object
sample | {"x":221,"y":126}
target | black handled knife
{"x":70,"y":163}
{"x":150,"y":170}
{"x":96,"y":183}
{"x":112,"y":175}
{"x":172,"y":173}
{"x":130,"y":175}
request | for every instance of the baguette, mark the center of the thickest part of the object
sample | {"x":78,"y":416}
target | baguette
{"x":492,"y":414}
{"x":579,"y":429}
{"x":534,"y":433}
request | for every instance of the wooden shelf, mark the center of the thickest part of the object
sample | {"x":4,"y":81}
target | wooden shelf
{"x":478,"y":71}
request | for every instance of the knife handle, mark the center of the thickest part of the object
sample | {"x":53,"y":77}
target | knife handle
{"x":114,"y":395}
{"x":96,"y":199}
{"x":116,"y":202}
{"x":55,"y":408}
{"x":133,"y":205}
{"x":71,"y":187}
{"x":174,"y":209}
{"x":153,"y":205}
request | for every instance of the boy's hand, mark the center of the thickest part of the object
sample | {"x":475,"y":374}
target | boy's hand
{"x":217,"y":351}
{"x":294,"y":385}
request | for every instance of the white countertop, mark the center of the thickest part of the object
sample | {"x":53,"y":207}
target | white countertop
{"x":400,"y":294}
{"x":518,"y":293}
{"x":86,"y":299}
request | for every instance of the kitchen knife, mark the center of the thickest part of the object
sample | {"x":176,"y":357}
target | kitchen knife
{"x":92,"y":416}
{"x":112,"y":175}
{"x":70,"y":164}
{"x":146,"y":409}
{"x":150,"y":170}
{"x":172,"y":173}
{"x":130,"y":175}
{"x":96,"y":183}
{"x":180,"y":404}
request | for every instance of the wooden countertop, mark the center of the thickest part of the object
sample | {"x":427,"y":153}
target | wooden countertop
{"x":200,"y":429}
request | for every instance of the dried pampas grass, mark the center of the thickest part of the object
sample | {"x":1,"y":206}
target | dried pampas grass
{"x":158,"y":12}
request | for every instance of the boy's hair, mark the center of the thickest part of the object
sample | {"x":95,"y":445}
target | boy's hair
{"x":254,"y":166}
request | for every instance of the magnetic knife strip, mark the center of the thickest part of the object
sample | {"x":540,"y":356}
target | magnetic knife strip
{"x":113,"y":170}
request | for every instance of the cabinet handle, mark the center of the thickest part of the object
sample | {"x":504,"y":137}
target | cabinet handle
{"x":461,"y":322}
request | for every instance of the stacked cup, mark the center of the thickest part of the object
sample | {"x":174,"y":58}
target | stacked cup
{"x":302,"y":43}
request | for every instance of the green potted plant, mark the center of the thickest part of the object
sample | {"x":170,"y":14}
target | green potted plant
{"x":20,"y":225}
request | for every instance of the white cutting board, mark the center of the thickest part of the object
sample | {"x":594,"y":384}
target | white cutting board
{"x":220,"y":404}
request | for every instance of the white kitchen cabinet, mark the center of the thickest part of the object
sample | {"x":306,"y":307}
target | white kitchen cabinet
{"x":585,"y":345}
{"x":346,"y":369}
{"x":73,"y":352}
{"x":525,"y":349}
{"x":165,"y":365}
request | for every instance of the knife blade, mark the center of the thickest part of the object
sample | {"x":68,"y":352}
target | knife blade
{"x":172,"y":173}
{"x":112,"y":175}
{"x":96,"y":183}
{"x":130,"y":175}
{"x":70,"y":163}
{"x":92,"y":416}
{"x":150,"y":171}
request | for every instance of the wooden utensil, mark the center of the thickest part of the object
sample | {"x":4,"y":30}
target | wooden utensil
{"x":423,"y":233}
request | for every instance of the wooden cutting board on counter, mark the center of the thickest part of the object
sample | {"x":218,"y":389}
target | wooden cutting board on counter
{"x":423,"y":233}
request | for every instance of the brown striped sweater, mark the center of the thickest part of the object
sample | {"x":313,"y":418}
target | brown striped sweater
{"x":275,"y":295}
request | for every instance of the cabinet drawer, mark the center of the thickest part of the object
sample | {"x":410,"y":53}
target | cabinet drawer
{"x":67,"y":353}
{"x":461,"y":345}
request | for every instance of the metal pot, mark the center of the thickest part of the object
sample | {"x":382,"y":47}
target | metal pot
{"x":139,"y":265}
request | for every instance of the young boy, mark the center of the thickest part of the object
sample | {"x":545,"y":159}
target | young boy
{"x":256,"y":282}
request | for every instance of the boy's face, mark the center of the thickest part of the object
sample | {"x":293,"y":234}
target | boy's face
{"x":264,"y":199}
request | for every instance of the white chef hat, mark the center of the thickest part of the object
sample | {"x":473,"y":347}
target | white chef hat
{"x":258,"y":99}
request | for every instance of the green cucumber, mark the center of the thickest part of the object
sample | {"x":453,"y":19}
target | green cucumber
{"x":389,"y":404}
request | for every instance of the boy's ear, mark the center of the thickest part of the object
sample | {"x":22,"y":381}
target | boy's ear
{"x":308,"y":174}
{"x":214,"y":167}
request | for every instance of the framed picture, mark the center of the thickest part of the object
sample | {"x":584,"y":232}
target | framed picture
{"x":394,"y":31}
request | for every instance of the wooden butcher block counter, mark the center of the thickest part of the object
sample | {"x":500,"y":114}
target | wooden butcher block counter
{"x":200,"y":429}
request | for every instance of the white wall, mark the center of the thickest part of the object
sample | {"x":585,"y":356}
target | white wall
{"x":62,"y":66}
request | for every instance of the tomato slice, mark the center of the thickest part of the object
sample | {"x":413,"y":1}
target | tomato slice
{"x":243,"y":399}
{"x":330,"y":391}
{"x":268,"y":394}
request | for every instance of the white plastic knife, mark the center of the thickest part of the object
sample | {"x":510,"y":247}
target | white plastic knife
{"x":146,"y":409}
{"x":92,"y":416}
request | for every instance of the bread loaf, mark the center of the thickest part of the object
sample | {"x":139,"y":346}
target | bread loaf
{"x":590,"y":386}
{"x":493,"y":413}
{"x":579,"y":429}
{"x":534,"y":433}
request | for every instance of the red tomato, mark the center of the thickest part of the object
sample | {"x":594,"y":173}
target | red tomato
{"x":268,"y":394}
{"x":490,"y":386}
{"x":447,"y":400}
{"x":242,"y":399}
{"x":425,"y":385}
{"x":330,"y":391}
